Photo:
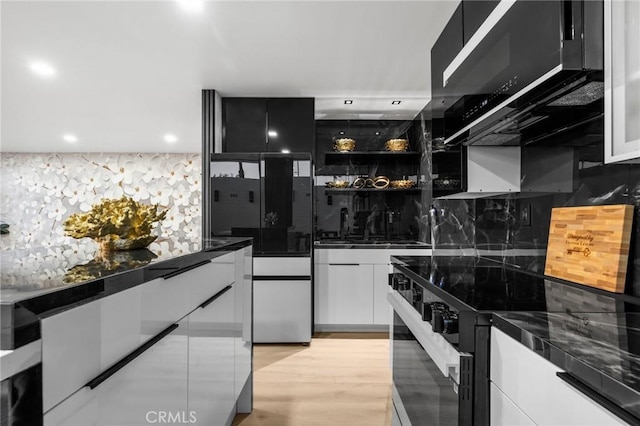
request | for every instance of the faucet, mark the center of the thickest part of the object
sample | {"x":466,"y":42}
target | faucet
{"x":344,"y":222}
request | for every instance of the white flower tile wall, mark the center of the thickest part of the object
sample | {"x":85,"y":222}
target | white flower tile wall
{"x":39,"y":191}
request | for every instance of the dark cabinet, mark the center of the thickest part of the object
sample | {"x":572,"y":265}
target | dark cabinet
{"x":443,"y":51}
{"x":291,"y":124}
{"x":268,"y":124}
{"x":244,"y":124}
{"x":448,"y":172}
{"x":474,"y":13}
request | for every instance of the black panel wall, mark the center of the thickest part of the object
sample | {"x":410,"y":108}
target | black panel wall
{"x":268,"y":124}
{"x":244,"y":124}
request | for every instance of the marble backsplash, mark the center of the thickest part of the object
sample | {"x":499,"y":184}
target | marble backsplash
{"x":520,"y":221}
{"x":40,"y":190}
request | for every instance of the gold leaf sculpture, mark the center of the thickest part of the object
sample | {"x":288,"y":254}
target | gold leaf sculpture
{"x":116,"y":224}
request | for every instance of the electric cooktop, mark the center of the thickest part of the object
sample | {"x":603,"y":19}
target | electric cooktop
{"x":467,"y":283}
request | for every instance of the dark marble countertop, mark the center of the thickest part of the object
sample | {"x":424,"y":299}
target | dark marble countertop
{"x":591,"y":334}
{"x":600,"y":350}
{"x":369,"y":244}
{"x":38,"y":282}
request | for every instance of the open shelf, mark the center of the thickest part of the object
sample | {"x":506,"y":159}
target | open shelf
{"x":414,"y":190}
{"x":366,"y":157}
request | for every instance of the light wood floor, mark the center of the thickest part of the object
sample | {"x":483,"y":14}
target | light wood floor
{"x":339,"y":379}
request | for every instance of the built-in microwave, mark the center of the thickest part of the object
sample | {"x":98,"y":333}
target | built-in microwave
{"x":533,"y":69}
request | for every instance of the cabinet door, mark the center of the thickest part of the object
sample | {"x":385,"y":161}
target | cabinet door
{"x":381,"y":309}
{"x":245,"y":124}
{"x":474,"y":12}
{"x":505,"y":412}
{"x":152,"y":386}
{"x":291,"y":124}
{"x":211,"y":360}
{"x":622,"y":81}
{"x":530,"y":382}
{"x":344,"y":295}
{"x":444,"y":50}
{"x":242,"y":326}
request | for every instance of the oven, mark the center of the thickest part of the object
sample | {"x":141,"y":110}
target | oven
{"x":432,"y":378}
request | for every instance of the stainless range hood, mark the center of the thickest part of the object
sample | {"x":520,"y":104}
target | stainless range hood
{"x":531,"y":72}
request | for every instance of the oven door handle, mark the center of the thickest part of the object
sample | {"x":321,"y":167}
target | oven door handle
{"x":443,"y":354}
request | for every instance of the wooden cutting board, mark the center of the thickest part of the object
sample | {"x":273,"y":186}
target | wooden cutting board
{"x":590,"y":245}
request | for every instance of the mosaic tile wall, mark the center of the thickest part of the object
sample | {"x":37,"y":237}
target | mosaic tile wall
{"x":39,"y":191}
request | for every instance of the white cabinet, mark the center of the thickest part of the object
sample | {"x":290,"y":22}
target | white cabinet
{"x":381,"y":310}
{"x":351,"y":286}
{"x":243,"y":325}
{"x":175,"y":350}
{"x":345,"y":296}
{"x":504,"y":411}
{"x":153,"y":384}
{"x":211,"y":359}
{"x":622,"y":80}
{"x":525,"y":387}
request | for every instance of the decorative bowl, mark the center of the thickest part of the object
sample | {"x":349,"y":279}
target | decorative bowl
{"x":344,"y":144}
{"x":402,"y":184}
{"x":337,"y":184}
{"x":446,"y":183}
{"x":396,"y":145}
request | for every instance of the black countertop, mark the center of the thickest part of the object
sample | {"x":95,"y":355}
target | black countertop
{"x":600,"y":351}
{"x":39,"y":282}
{"x":591,"y":334}
{"x":369,"y":244}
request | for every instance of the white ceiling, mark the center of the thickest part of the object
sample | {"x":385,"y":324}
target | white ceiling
{"x":129,"y":72}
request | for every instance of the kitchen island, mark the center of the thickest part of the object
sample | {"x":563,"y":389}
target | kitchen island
{"x":129,"y":337}
{"x":482,"y":322}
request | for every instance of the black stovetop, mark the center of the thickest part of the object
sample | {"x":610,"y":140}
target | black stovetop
{"x":483,"y":284}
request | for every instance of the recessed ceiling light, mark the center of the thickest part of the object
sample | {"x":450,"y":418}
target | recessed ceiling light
{"x":342,"y":132}
{"x":42,"y":69}
{"x":377,"y":133}
{"x":348,"y":102}
{"x":169,"y":138}
{"x":285,"y":151}
{"x":395,"y":102}
{"x":71,"y":138}
{"x":272,"y":134}
{"x":191,"y":6}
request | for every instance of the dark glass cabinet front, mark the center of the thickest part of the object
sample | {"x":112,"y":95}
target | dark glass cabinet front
{"x":264,"y":196}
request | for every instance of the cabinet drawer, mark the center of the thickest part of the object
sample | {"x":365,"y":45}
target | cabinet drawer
{"x":530,"y":381}
{"x":80,"y":343}
{"x":206,"y":280}
{"x":154,"y":381}
{"x":365,"y":256}
{"x":505,"y":412}
{"x":211,"y":360}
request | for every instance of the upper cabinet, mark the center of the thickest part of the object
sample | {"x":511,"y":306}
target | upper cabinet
{"x":268,"y":124}
{"x":443,"y":51}
{"x":622,"y":81}
{"x":474,"y":12}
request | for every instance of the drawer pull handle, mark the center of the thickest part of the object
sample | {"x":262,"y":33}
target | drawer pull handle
{"x":185,"y":269}
{"x":598,"y":397}
{"x":130,"y":357}
{"x":214,"y":297}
